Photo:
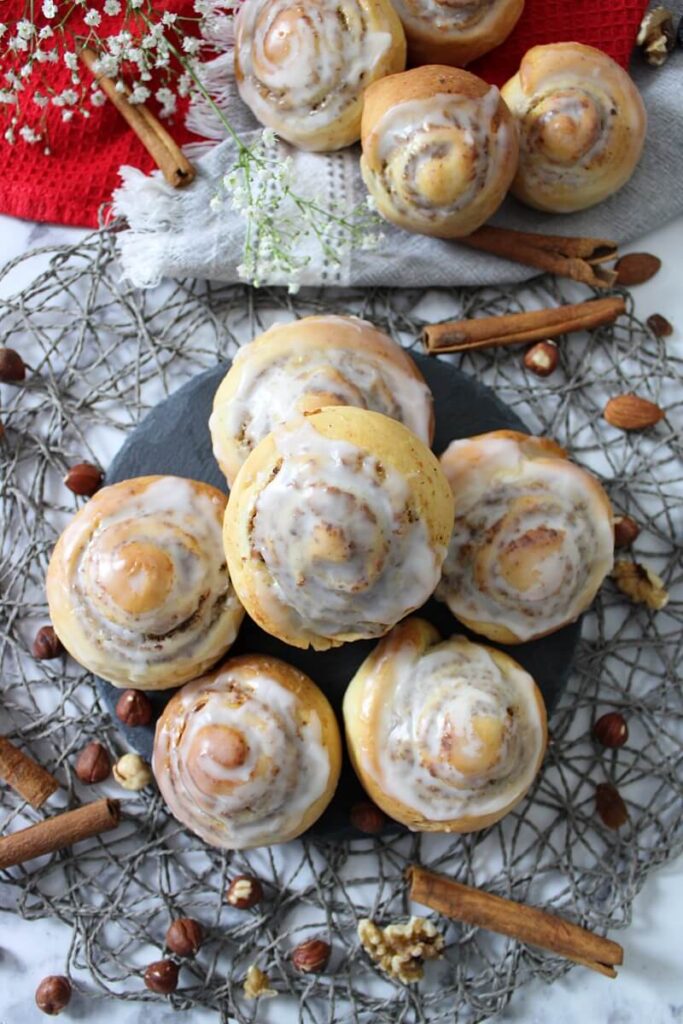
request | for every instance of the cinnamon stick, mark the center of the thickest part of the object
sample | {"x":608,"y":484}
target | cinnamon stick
{"x":59,"y":831}
{"x":580,"y":259}
{"x":167,"y":155}
{"x":517,"y":328}
{"x":27,"y":778}
{"x":517,"y":920}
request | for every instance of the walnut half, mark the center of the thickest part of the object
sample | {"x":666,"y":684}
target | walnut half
{"x":641,"y":584}
{"x":257,"y":984}
{"x":401,"y":949}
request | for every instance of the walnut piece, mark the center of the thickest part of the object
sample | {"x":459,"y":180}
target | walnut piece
{"x":401,"y":949}
{"x":256,"y":984}
{"x":657,"y":36}
{"x":132,"y":772}
{"x":641,"y":584}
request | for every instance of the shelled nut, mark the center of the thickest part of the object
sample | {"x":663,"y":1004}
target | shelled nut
{"x":184,"y":936}
{"x":626,"y":530}
{"x":12,"y":368}
{"x":162,"y":977}
{"x":610,"y":806}
{"x":244,"y":892}
{"x":132,"y":772}
{"x":311,"y":957}
{"x":53,"y":994}
{"x":542,"y":358}
{"x":134,"y":708}
{"x":46,"y":644}
{"x":93,"y":764}
{"x":367,"y":817}
{"x":84,"y":479}
{"x":611,"y":730}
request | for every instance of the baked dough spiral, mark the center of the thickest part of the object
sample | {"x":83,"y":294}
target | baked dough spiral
{"x":138,"y":589}
{"x":445,"y":736}
{"x":303,"y":366}
{"x":337,"y":527}
{"x":533,"y":537}
{"x":249,"y":755}
{"x":439,"y":150}
{"x":582,"y":126}
{"x":455,"y":31}
{"x":302,"y":68}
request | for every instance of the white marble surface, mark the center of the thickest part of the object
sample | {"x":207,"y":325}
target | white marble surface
{"x":650,"y":985}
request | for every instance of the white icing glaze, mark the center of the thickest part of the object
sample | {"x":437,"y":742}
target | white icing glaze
{"x":269,"y":392}
{"x":446,"y":17}
{"x":419,"y":138}
{"x":285,"y":770}
{"x":303,"y":65}
{"x":429,"y":708}
{"x":503,"y":501}
{"x":197,"y":611}
{"x":343,"y":548}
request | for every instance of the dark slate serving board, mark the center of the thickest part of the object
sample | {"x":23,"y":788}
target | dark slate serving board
{"x":174,"y":438}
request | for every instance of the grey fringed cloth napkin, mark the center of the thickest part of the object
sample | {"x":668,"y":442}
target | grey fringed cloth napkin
{"x":184,"y":234}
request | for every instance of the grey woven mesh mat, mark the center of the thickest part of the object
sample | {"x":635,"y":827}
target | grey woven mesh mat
{"x":100,"y":355}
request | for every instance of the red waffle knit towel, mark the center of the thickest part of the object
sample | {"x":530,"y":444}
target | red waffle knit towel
{"x":68,"y":186}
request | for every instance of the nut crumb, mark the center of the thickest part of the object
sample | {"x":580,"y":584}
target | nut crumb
{"x":256,"y":984}
{"x":132,"y":772}
{"x":641,"y":584}
{"x":401,"y":949}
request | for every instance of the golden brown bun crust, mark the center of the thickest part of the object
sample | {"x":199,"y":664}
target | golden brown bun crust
{"x":373,"y":678}
{"x":429,"y":45}
{"x":384,"y":440}
{"x":137,"y":590}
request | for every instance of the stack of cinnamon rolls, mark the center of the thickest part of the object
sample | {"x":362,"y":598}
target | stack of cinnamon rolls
{"x":340,"y":524}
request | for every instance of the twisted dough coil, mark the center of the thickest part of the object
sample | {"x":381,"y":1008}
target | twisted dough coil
{"x":455,"y":31}
{"x":582,"y":126}
{"x":303,"y":366}
{"x":445,"y":736}
{"x":302,"y":68}
{"x":533,"y":536}
{"x":137,"y":586}
{"x":337,"y":527}
{"x":439,"y":150}
{"x":249,"y":755}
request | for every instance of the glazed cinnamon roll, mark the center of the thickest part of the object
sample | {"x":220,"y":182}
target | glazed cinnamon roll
{"x":337,"y":527}
{"x":303,"y":366}
{"x":533,"y":537}
{"x":302,"y":68}
{"x":455,"y":31}
{"x":582,"y":126}
{"x":138,"y":588}
{"x":249,"y":755}
{"x":445,"y":736}
{"x":439,"y":150}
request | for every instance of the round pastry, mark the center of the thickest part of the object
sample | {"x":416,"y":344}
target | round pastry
{"x":303,"y":366}
{"x":582,"y":126}
{"x":248,"y":755}
{"x":439,"y":150}
{"x":302,"y":68}
{"x":455,"y":31}
{"x":138,"y":589}
{"x":533,"y":536}
{"x":337,"y":527}
{"x":445,"y":736}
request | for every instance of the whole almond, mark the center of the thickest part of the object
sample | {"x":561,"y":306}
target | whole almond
{"x":659,"y":325}
{"x":631,"y":412}
{"x":12,"y":369}
{"x":84,"y":479}
{"x":636,"y":268}
{"x":610,"y":806}
{"x":367,"y":817}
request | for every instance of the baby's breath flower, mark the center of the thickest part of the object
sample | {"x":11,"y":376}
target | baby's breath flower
{"x":97,"y":98}
{"x":3,"y":29}
{"x":40,"y":100}
{"x":45,"y":33}
{"x":71,"y":60}
{"x":107,"y":65}
{"x":9,"y":136}
{"x":168,"y":18}
{"x":29,"y":135}
{"x":67,"y":115}
{"x":167,"y":99}
{"x":49,"y":9}
{"x":139,"y":93}
{"x":92,"y":18}
{"x":112,"y":7}
{"x":191,"y":45}
{"x":7,"y":97}
{"x":135,"y":4}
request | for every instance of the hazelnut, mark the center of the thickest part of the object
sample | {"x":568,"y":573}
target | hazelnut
{"x":12,"y":368}
{"x":659,"y":325}
{"x":134,"y":708}
{"x":311,"y":957}
{"x":184,"y":936}
{"x":162,"y":977}
{"x":611,"y":730}
{"x":610,"y":806}
{"x":367,"y":817}
{"x":93,"y":764}
{"x":53,"y":994}
{"x":626,"y":530}
{"x":244,"y":892}
{"x":84,"y":479}
{"x":46,"y":644}
{"x":542,"y":358}
{"x":132,"y":772}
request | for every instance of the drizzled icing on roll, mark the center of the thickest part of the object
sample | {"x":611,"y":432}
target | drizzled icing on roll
{"x":582,"y":126}
{"x":302,"y":68}
{"x":443,"y":733}
{"x":439,"y":150}
{"x":299,"y":367}
{"x":243,"y":757}
{"x":138,"y":590}
{"x":336,"y":527}
{"x":532,"y":539}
